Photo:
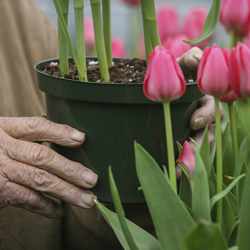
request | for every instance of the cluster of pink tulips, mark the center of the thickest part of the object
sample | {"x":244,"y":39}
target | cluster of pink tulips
{"x":171,"y":34}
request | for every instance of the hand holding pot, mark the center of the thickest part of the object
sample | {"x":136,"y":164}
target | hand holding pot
{"x":206,"y":113}
{"x":29,"y":170}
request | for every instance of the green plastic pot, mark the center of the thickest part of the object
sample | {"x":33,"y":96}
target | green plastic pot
{"x":113,"y":117}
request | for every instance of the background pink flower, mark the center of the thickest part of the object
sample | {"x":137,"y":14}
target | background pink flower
{"x":89,"y":35}
{"x":176,"y":45}
{"x":118,"y":48}
{"x":167,"y":20}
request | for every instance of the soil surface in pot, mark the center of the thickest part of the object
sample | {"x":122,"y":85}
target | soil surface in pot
{"x":123,"y":71}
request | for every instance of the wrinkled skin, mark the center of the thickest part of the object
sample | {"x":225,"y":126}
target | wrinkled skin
{"x":28,"y":169}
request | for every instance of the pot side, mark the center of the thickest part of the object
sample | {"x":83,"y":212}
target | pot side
{"x":113,"y":116}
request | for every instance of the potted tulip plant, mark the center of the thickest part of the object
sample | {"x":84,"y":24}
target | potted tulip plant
{"x":112,"y":115}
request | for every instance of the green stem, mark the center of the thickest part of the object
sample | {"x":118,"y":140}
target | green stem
{"x":79,"y":30}
{"x":232,"y":39}
{"x":147,"y":39}
{"x":170,"y":146}
{"x":106,"y":19}
{"x":62,"y":42}
{"x":99,"y":39}
{"x":136,"y":30}
{"x":66,"y":34}
{"x":151,"y":21}
{"x":233,"y":131}
{"x":218,"y":158}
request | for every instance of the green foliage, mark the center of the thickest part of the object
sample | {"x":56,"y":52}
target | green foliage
{"x":210,"y":24}
{"x":187,"y":221}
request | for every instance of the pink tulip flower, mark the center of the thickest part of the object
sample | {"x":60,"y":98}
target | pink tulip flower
{"x":187,"y":159}
{"x":228,"y":98}
{"x":176,"y":45}
{"x":168,"y":21}
{"x":89,"y":35}
{"x":164,"y":80}
{"x":193,"y":25}
{"x":236,"y":15}
{"x":212,"y":75}
{"x":133,"y":2}
{"x":118,"y":48}
{"x":239,"y":73}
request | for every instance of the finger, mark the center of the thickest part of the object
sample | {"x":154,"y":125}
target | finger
{"x":191,"y":58}
{"x":205,"y":114}
{"x":45,"y":182}
{"x":199,"y":135}
{"x":41,"y":129}
{"x":40,"y":156}
{"x":26,"y":198}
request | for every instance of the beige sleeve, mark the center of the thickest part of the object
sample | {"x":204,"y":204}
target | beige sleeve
{"x":27,"y":36}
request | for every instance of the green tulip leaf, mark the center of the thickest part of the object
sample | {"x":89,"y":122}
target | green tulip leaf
{"x":143,"y":239}
{"x":170,"y":217}
{"x":205,"y":151}
{"x":210,"y":24}
{"x":180,"y":148}
{"x":241,"y":166}
{"x":219,"y":196}
{"x":120,"y":212}
{"x":228,"y":217}
{"x":243,"y":110}
{"x":201,"y":196}
{"x":204,"y":236}
{"x":185,"y":190}
{"x":233,"y":234}
{"x":243,"y":228}
{"x":233,"y":248}
{"x":242,"y":155}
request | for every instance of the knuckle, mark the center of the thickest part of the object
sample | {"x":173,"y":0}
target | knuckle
{"x":41,"y":154}
{"x":33,"y":123}
{"x":42,"y":180}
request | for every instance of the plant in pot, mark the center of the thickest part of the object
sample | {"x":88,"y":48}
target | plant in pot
{"x":112,"y":115}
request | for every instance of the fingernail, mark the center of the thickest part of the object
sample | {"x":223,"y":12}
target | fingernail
{"x":76,"y":135}
{"x":89,"y":177}
{"x":197,"y":57}
{"x":88,"y":199}
{"x":60,"y":211}
{"x":198,"y":123}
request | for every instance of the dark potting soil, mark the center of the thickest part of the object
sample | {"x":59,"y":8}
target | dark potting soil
{"x":123,"y":71}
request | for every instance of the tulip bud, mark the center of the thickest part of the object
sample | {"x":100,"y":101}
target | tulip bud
{"x":118,"y":48}
{"x":187,"y":159}
{"x":239,"y":74}
{"x":164,"y":80}
{"x":177,"y":46}
{"x":230,"y":97}
{"x":194,"y":23}
{"x":212,"y":72}
{"x":133,"y":2}
{"x":167,"y":20}
{"x":89,"y":35}
{"x":236,"y":15}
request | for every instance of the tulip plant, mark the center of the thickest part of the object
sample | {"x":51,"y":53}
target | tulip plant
{"x":211,"y":208}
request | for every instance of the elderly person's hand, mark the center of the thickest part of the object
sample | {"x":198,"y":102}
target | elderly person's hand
{"x":28,"y":170}
{"x":205,"y":115}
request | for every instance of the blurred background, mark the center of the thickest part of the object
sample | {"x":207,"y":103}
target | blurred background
{"x":123,"y":20}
